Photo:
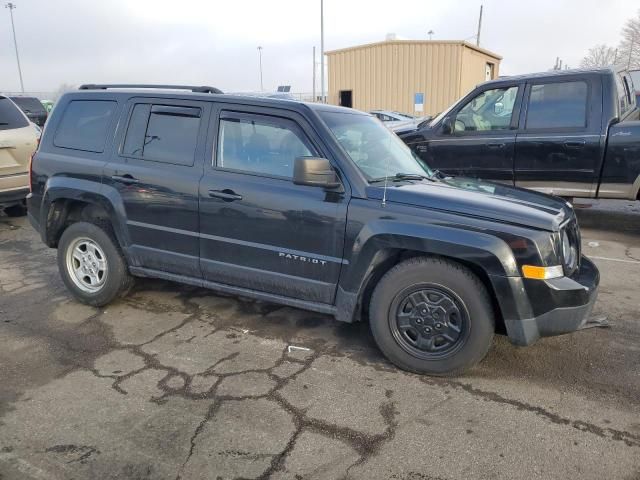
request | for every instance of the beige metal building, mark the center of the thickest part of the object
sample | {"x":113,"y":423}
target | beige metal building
{"x":391,"y":75}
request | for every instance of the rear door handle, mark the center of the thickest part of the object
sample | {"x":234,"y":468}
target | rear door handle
{"x":226,"y":194}
{"x":495,"y":145}
{"x":126,"y":179}
{"x":574,"y":144}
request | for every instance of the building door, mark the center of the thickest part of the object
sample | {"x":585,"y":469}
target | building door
{"x":346,"y":99}
{"x":488,"y":71}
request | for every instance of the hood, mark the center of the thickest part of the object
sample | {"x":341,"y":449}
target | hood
{"x":479,"y":198}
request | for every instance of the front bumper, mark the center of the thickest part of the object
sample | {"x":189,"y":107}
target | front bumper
{"x":544,"y":308}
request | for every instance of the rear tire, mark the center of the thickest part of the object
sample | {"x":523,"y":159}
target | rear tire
{"x":431,"y":315}
{"x":91,"y":264}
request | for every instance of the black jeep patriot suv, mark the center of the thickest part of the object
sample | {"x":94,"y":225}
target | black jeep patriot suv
{"x":307,"y":205}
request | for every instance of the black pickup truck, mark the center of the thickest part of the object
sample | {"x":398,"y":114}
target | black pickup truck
{"x":572,"y":133}
{"x":306,"y":205}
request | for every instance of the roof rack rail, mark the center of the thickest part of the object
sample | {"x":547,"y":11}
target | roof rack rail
{"x":193,"y":88}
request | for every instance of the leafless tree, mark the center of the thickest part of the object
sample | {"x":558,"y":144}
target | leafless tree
{"x":599,"y":56}
{"x":629,"y":48}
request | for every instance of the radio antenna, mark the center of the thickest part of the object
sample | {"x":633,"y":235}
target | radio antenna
{"x":386,"y":178}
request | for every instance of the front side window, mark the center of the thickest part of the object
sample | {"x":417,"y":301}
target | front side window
{"x":260,"y":144}
{"x":557,"y":105}
{"x":490,"y":110}
{"x":163,"y":133}
{"x":84,"y":125}
{"x":375,"y":150}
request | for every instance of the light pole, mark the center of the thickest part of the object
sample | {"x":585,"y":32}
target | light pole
{"x":260,"y":60}
{"x":11,"y":7}
{"x":322,"y":99}
{"x":430,"y":33}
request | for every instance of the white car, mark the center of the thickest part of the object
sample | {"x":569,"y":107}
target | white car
{"x":396,"y":121}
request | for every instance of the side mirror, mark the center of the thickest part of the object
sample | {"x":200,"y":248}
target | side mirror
{"x":447,"y":125}
{"x":314,"y":172}
{"x":498,"y":108}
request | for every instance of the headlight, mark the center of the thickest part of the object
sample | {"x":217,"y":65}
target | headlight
{"x":569,"y":252}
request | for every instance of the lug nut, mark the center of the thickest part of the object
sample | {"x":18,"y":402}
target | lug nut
{"x":438,"y":325}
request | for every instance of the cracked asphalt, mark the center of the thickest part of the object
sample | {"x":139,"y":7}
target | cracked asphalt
{"x":176,"y":382}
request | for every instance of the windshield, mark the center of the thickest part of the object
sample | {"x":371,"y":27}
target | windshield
{"x":376,"y":151}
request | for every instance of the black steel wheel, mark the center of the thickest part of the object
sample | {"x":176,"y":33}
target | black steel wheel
{"x":429,"y":321}
{"x":432,"y":315}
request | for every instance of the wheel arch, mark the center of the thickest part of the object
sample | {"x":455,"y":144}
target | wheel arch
{"x":483,"y":254}
{"x":71,"y":200}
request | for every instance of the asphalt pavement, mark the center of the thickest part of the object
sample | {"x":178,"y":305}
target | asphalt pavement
{"x":175,"y":382}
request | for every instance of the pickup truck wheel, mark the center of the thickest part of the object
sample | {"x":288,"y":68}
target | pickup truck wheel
{"x":431,"y":315}
{"x":91,"y":265}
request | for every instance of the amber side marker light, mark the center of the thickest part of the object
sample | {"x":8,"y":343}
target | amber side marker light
{"x":542,"y":273}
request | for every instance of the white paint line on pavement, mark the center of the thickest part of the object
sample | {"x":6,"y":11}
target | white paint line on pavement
{"x":614,"y":259}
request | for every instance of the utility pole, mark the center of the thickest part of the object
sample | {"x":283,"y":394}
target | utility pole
{"x":11,"y":7}
{"x":322,"y":100}
{"x":260,"y":60}
{"x":314,"y":73}
{"x":479,"y":27}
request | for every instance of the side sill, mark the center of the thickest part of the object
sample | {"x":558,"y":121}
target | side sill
{"x":231,"y":290}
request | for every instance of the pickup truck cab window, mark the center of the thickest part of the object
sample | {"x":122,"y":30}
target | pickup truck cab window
{"x":557,"y":105}
{"x":490,"y":110}
{"x":260,"y":144}
{"x":375,"y":150}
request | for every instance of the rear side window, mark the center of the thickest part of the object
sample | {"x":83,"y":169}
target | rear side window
{"x":10,"y":116}
{"x":84,"y":125}
{"x":31,"y":104}
{"x":557,"y":105}
{"x":163,"y":133}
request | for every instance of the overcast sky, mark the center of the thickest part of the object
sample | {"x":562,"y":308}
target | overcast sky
{"x":214,"y":42}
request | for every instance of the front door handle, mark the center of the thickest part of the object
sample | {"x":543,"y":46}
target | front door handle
{"x":495,"y":145}
{"x":226,"y":194}
{"x":126,"y":179}
{"x":574,"y":144}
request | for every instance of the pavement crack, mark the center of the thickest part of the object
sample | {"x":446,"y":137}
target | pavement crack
{"x":629,"y":439}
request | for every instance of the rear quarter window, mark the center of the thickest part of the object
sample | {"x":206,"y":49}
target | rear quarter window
{"x":10,"y":116}
{"x":84,"y":125}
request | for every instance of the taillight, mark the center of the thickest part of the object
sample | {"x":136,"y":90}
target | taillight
{"x":31,"y":172}
{"x":31,"y":165}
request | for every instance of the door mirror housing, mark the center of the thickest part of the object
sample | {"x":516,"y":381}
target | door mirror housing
{"x":314,"y":172}
{"x":447,"y":126}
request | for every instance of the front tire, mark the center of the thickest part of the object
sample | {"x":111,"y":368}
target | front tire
{"x":431,"y":315}
{"x":91,"y":265}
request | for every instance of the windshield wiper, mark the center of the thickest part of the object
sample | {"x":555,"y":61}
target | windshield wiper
{"x":404,"y":176}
